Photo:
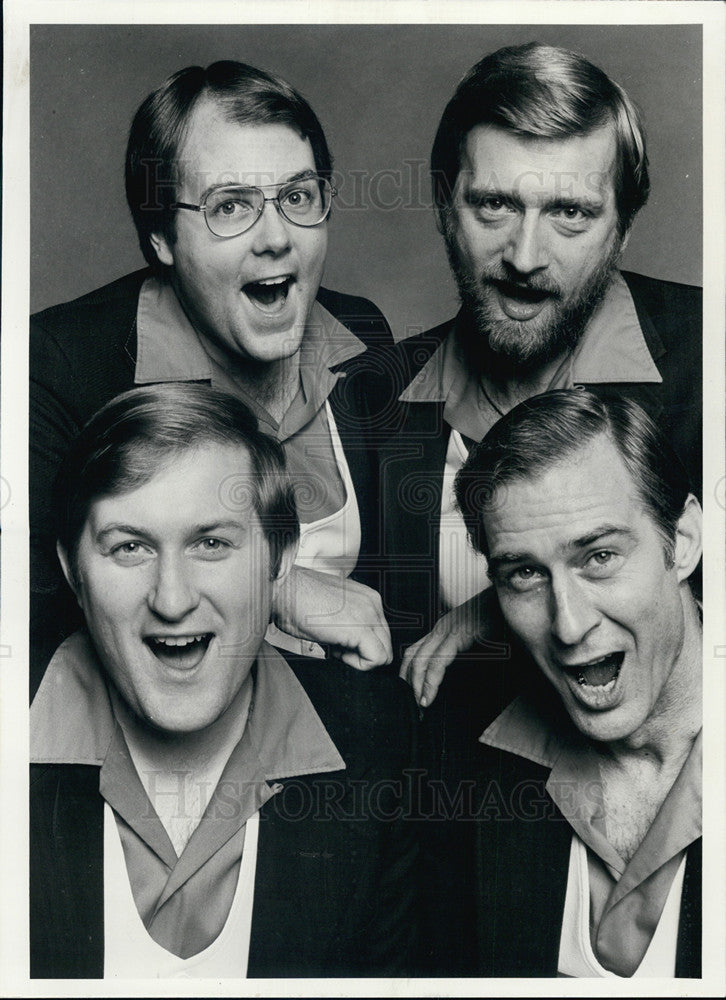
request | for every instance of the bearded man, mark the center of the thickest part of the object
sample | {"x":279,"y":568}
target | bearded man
{"x":539,"y":169}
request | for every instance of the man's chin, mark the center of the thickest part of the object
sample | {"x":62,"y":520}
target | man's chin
{"x":525,"y":344}
{"x":266,"y":346}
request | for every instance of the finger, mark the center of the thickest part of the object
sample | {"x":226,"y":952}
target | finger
{"x":374,"y":646}
{"x":406,"y":660}
{"x":364,"y":656}
{"x":417,"y":669}
{"x":435,"y":672}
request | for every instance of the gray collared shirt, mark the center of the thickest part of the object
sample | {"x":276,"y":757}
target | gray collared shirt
{"x":627,"y":898}
{"x":183,"y":901}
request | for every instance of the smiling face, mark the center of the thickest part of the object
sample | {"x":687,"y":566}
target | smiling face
{"x":251,"y":294}
{"x":177,"y":595}
{"x":581,"y":576}
{"x":532,"y":236}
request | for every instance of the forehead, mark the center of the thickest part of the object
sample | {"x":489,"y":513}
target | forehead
{"x":217,"y":151}
{"x":498,"y":159}
{"x":585,"y":492}
{"x":205,"y":484}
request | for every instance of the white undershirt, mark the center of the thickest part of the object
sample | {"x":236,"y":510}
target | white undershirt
{"x":577,"y":957}
{"x":462,"y":571}
{"x":329,"y":545}
{"x":129,"y":950}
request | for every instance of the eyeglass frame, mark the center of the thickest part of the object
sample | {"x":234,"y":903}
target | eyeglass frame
{"x":202,"y":207}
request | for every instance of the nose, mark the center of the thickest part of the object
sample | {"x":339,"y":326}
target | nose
{"x":573,"y":614}
{"x":173,"y":593}
{"x":271,"y":234}
{"x":525,"y":251}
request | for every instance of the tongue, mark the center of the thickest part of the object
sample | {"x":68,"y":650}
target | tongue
{"x":602,"y":672}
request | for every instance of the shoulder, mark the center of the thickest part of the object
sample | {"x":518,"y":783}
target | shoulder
{"x":418,"y":349}
{"x":666,"y":303}
{"x":85,"y":332}
{"x":83,"y":352}
{"x":109,"y":298}
{"x":369,"y":715}
{"x":361,"y":316}
{"x":58,"y":792}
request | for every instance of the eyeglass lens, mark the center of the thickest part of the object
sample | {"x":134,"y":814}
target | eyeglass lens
{"x":232,"y":210}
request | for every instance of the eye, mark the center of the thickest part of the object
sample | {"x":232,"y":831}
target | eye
{"x":493,"y":204}
{"x":490,"y":205}
{"x":211,"y":548}
{"x":230,"y":205}
{"x":523,"y":578}
{"x":603,"y":562}
{"x":300,"y":198}
{"x":130,"y":553}
{"x":572,"y":218}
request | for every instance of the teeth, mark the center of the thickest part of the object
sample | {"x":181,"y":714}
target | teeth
{"x":270,"y":281}
{"x":181,"y":640}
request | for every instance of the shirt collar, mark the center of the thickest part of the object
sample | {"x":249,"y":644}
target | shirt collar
{"x":529,"y":728}
{"x":169,"y":349}
{"x":539,"y":729}
{"x":72,"y":722}
{"x":612,"y":349}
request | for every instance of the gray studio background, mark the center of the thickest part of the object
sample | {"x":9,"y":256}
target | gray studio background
{"x":379,"y":92}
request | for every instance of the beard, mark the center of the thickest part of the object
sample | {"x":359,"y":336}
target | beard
{"x":505,"y":344}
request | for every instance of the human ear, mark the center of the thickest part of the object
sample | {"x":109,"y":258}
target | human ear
{"x":689,"y":538}
{"x":286,"y":563}
{"x":68,"y":573}
{"x":162,"y":249}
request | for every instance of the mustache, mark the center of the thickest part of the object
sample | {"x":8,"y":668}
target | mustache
{"x":509,"y":284}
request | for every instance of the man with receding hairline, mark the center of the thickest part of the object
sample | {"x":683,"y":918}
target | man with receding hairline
{"x":228,"y":179}
{"x":539,"y":169}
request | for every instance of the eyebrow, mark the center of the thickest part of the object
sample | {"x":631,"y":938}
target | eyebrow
{"x":301,"y":175}
{"x":198,"y":529}
{"x":605,"y":531}
{"x":584,"y":200}
{"x":496,"y":563}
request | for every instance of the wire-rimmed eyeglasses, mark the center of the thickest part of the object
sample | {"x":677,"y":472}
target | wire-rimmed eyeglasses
{"x":232,"y":210}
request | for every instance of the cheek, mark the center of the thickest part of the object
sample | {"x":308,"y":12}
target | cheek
{"x":526,"y":617}
{"x":109,"y":602}
{"x":313,"y":248}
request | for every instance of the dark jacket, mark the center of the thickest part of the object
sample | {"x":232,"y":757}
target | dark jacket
{"x":334,"y":891}
{"x":413,"y":459}
{"x":496,"y":873}
{"x":83,"y":353}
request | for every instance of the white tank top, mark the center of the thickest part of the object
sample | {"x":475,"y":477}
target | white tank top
{"x":577,"y":957}
{"x":329,"y":545}
{"x":129,"y":950}
{"x":462,"y":571}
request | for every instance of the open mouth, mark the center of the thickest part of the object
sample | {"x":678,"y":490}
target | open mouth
{"x":269,"y":294}
{"x":600,"y":673}
{"x":520,"y":302}
{"x":522,"y":293}
{"x":182,"y":652}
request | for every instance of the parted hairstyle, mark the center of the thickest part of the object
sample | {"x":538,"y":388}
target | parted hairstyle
{"x":543,"y":430}
{"x":539,"y":91}
{"x":126,"y":443}
{"x":245,"y":95}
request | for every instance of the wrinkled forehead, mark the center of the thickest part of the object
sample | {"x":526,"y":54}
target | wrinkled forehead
{"x":496,"y":159}
{"x":584,"y":492}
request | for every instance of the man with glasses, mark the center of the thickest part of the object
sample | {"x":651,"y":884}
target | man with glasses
{"x":228,"y":178}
